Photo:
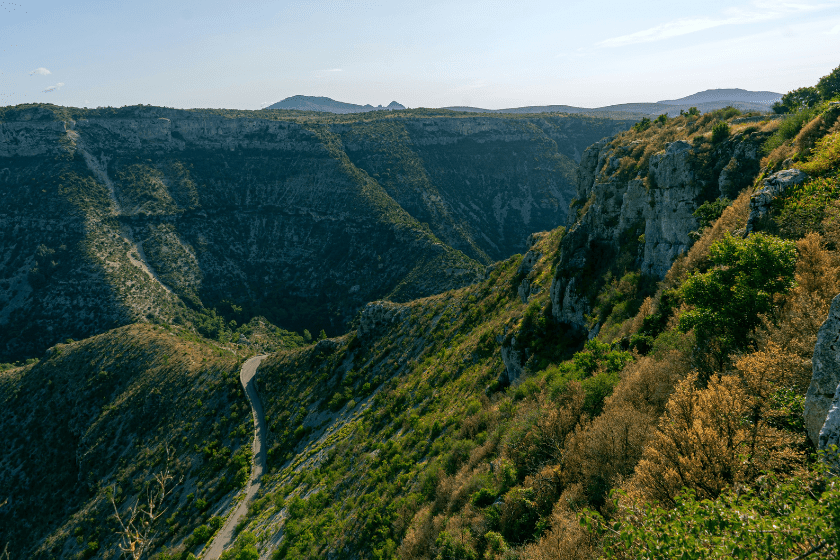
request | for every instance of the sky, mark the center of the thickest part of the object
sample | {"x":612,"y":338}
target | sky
{"x":490,"y":54}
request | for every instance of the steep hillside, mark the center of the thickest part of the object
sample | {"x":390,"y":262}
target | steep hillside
{"x":637,"y":194}
{"x":146,"y":213}
{"x":477,"y":423}
{"x":656,"y":379}
{"x":97,"y":416}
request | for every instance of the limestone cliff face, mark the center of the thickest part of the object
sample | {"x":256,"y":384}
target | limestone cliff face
{"x":119,"y":215}
{"x":821,"y":412}
{"x":639,"y":220}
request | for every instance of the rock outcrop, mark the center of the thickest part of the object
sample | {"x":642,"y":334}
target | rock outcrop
{"x":514,"y":359}
{"x":526,"y":289}
{"x":823,"y":395}
{"x":642,"y":217}
{"x":774,"y":186}
{"x":380,"y":314}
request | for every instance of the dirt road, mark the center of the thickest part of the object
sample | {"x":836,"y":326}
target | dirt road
{"x":225,"y":534}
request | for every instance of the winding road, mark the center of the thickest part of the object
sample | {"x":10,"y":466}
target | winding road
{"x":225,"y":534}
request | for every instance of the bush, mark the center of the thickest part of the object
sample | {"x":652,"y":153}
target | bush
{"x":642,"y":125}
{"x":483,"y":498}
{"x":795,"y":518}
{"x":450,"y":548}
{"x":729,"y":299}
{"x":708,"y":212}
{"x":519,"y":516}
{"x":720,"y":132}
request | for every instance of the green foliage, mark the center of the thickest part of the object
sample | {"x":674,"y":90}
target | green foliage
{"x":797,"y":100}
{"x":597,"y":367}
{"x":520,"y":516}
{"x":483,"y":498}
{"x":708,"y":212}
{"x":803,"y":206}
{"x":692,"y":112}
{"x":789,"y":128}
{"x":458,"y":455}
{"x":806,"y":97}
{"x":792,"y":518}
{"x":720,"y":132}
{"x":729,"y":299}
{"x":243,"y":549}
{"x":454,"y":548}
{"x":725,"y":114}
{"x":829,"y":86}
{"x":661,"y":119}
{"x":495,"y":542}
{"x":825,"y":157}
{"x":642,"y":125}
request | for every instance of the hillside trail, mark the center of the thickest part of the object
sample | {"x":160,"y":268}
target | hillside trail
{"x":249,"y":383}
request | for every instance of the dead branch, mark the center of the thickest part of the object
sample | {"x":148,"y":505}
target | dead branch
{"x":137,"y":523}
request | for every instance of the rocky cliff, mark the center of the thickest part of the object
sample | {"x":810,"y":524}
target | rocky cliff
{"x":132,"y":214}
{"x":634,"y":209}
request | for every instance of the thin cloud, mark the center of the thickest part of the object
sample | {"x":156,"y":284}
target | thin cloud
{"x":335,"y":70}
{"x":760,"y":10}
{"x":40,"y":72}
{"x":834,"y":30}
{"x":57,"y":86}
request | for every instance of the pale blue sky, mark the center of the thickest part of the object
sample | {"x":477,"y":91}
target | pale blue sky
{"x":423,"y":54}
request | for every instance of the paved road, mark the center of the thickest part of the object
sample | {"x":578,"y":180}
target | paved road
{"x":225,"y":534}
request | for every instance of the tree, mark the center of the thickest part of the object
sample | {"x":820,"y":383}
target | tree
{"x":729,"y":300}
{"x":829,"y":86}
{"x":137,"y":524}
{"x":800,"y":98}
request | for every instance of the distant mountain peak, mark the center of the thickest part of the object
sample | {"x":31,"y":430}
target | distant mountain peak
{"x":328,"y":105}
{"x":732,"y":94}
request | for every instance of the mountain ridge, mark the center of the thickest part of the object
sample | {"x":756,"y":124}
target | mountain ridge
{"x":328,"y":105}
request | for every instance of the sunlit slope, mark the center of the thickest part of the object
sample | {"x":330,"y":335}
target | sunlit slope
{"x":118,"y":215}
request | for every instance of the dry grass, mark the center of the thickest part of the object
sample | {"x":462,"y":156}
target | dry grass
{"x":566,"y":539}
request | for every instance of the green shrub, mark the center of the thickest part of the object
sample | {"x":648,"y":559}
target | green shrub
{"x":789,"y":128}
{"x":729,"y":300}
{"x":708,"y":212}
{"x":450,"y":548}
{"x":483,"y":498}
{"x":642,"y":125}
{"x":795,"y":518}
{"x":720,"y":132}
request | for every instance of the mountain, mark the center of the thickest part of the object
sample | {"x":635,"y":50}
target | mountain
{"x":727,"y":95}
{"x":327,"y":105}
{"x":203,"y":218}
{"x":706,"y":101}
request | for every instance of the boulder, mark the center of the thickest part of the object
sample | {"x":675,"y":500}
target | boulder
{"x":822,"y":391}
{"x":830,"y":432}
{"x":774,"y":186}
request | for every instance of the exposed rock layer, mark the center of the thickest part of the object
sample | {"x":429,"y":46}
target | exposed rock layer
{"x":640,"y":221}
{"x":113,"y":216}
